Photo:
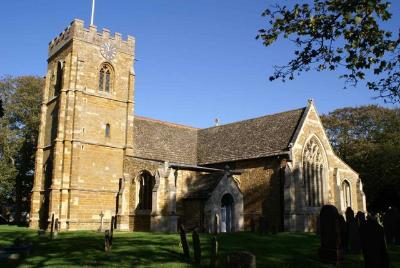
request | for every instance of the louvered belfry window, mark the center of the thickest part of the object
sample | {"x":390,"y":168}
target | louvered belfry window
{"x":105,"y":78}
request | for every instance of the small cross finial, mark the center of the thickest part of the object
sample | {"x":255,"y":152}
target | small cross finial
{"x":92,"y":17}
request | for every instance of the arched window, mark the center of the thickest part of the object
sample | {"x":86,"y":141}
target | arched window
{"x":108,"y":131}
{"x":59,"y":79}
{"x":346,"y":194}
{"x":146,"y":184}
{"x":105,"y":78}
{"x":313,"y":173}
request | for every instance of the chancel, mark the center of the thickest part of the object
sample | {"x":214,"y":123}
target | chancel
{"x":97,"y":159}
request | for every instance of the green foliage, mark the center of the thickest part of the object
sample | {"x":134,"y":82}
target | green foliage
{"x":19,"y":128}
{"x":368,"y":139}
{"x":339,"y":35}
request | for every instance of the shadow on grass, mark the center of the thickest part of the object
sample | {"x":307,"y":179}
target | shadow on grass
{"x":83,"y":248}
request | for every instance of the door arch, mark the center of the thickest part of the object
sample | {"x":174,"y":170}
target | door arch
{"x":227,"y":213}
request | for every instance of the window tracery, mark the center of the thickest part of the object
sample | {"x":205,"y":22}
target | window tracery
{"x":313,"y":173}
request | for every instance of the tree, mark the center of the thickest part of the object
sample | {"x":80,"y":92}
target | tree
{"x":19,"y":128}
{"x":368,"y":139}
{"x":343,"y":35}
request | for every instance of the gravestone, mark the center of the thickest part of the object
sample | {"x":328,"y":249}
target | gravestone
{"x":343,"y":232}
{"x":185,"y":245}
{"x":52,"y":227}
{"x":107,"y":240}
{"x":101,"y":221}
{"x":241,"y":259}
{"x":216,"y":224}
{"x":214,"y":252}
{"x":252,"y":225}
{"x":353,"y":234}
{"x":373,"y":244}
{"x":360,"y":218}
{"x":391,"y":224}
{"x":56,"y":228}
{"x":330,"y":235}
{"x":263,"y":225}
{"x":112,"y":229}
{"x":196,"y":246}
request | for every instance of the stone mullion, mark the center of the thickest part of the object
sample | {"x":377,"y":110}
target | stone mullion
{"x":313,"y":185}
{"x":321,"y":178}
{"x":309,"y":183}
{"x":305,"y":181}
{"x":317,"y":184}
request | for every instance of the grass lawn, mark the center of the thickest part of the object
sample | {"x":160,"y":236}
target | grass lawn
{"x":136,"y":249}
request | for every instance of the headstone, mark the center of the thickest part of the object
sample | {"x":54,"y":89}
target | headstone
{"x":52,"y":227}
{"x":196,"y":246}
{"x":56,"y":228}
{"x":252,"y":225}
{"x":241,"y":259}
{"x":343,"y":233}
{"x":185,"y":245}
{"x":353,"y":234}
{"x":112,"y":229}
{"x":360,"y":218}
{"x":373,"y":244}
{"x":101,"y":221}
{"x":391,"y":224}
{"x":330,"y":235}
{"x":107,"y":244}
{"x":214,"y":252}
{"x":263,"y":225}
{"x":216,"y":224}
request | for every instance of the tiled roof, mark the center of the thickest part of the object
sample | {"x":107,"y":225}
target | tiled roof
{"x":253,"y":138}
{"x":164,"y":141}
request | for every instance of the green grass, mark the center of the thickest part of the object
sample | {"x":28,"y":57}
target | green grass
{"x":137,"y":249}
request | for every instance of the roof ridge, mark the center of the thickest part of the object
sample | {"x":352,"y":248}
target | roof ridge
{"x":164,"y":122}
{"x":254,"y":118}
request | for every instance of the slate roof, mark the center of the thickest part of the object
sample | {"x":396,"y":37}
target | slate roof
{"x":203,"y":187}
{"x":248,"y":139}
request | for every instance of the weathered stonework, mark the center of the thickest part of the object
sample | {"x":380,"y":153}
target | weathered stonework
{"x":95,"y":157}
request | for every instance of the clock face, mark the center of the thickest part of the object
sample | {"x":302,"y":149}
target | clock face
{"x":108,"y":51}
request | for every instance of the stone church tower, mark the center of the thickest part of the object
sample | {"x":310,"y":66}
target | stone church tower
{"x":86,"y":127}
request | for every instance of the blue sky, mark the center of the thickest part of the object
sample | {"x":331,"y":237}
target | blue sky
{"x":197,"y":60}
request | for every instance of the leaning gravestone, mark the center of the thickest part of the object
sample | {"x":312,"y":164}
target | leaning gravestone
{"x":241,"y":259}
{"x":107,"y":239}
{"x":353,"y":234}
{"x":330,"y":235}
{"x":216,"y":224}
{"x":214,"y":252}
{"x":196,"y":246}
{"x":185,"y":245}
{"x":374,"y":246}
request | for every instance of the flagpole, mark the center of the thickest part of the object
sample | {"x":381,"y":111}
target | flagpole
{"x":92,"y":17}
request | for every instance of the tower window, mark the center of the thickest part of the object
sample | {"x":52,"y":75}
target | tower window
{"x":108,"y":130}
{"x":105,"y":78}
{"x":59,"y":79}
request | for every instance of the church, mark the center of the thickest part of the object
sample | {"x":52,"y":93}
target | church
{"x":96,"y":158}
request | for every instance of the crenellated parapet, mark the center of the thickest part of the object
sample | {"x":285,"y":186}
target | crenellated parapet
{"x":76,"y":30}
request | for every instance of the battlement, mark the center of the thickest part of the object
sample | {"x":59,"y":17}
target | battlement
{"x":77,"y":30}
